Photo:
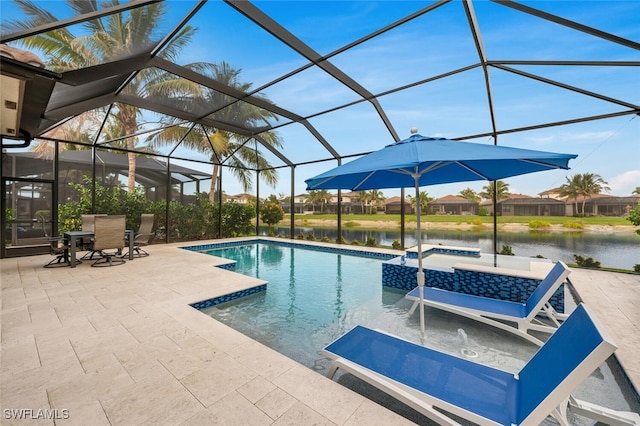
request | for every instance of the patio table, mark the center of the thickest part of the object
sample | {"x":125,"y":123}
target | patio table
{"x":73,"y":236}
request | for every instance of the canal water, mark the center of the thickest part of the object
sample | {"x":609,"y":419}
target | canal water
{"x":611,"y":250}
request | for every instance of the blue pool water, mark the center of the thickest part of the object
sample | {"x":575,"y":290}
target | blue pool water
{"x":314,"y":297}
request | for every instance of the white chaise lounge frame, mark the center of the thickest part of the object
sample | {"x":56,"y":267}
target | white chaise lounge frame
{"x":543,"y":387}
{"x":503,"y":313}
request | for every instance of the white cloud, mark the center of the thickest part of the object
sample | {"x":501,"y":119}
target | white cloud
{"x":624,"y":183}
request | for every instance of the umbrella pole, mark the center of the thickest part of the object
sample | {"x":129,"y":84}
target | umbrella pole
{"x":420,"y":276}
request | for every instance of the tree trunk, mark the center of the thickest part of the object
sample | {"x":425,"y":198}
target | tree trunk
{"x":214,"y":181}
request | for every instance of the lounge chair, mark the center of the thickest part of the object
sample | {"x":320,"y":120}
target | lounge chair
{"x":495,"y":312}
{"x":430,"y":381}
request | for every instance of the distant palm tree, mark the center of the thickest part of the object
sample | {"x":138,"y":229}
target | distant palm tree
{"x":111,"y":37}
{"x":502,"y":191}
{"x":424,"y":201}
{"x":636,"y":191}
{"x":586,"y":185}
{"x":375,"y":197}
{"x":469,"y":194}
{"x":222,"y":145}
{"x":319,"y":197}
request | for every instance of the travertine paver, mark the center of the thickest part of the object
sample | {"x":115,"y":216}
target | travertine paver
{"x":121,"y":346}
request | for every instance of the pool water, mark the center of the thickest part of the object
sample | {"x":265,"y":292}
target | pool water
{"x":314,"y":297}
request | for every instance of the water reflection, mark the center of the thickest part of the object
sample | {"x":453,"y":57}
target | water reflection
{"x":612,"y":250}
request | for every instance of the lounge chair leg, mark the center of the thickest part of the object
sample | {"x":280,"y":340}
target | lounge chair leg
{"x":603,"y":414}
{"x":332,"y":370}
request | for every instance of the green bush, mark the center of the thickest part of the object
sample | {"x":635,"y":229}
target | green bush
{"x":586,"y":262}
{"x":371,"y":242}
{"x":636,"y":268}
{"x":573,"y":225}
{"x":300,"y":236}
{"x":193,"y":221}
{"x":351,"y":224}
{"x":326,"y":239}
{"x":340,"y":240}
{"x":355,"y":243}
{"x":395,"y":244}
{"x":311,"y":237}
{"x":506,"y":250}
{"x":537,"y":224}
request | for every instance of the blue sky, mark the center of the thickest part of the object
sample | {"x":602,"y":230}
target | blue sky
{"x":453,"y":107}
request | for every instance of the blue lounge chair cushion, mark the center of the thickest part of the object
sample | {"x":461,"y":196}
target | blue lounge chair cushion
{"x":470,"y":301}
{"x":474,"y":387}
{"x":578,"y":347}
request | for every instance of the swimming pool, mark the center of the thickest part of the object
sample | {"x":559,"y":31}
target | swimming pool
{"x":314,"y":297}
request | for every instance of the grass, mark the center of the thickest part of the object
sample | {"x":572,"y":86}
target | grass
{"x":553,"y":220}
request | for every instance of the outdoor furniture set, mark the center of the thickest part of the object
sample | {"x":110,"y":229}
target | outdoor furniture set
{"x":105,"y":237}
{"x":445,"y":387}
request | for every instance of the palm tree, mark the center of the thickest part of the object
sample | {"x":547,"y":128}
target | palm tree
{"x":585,"y":185}
{"x":108,"y":38}
{"x":424,"y":201}
{"x":636,"y":191}
{"x":502,"y":191}
{"x":221,"y":145}
{"x":591,"y":184}
{"x":469,"y":194}
{"x":322,"y":196}
{"x":375,"y":197}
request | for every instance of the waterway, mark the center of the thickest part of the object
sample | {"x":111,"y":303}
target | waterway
{"x":611,"y":250}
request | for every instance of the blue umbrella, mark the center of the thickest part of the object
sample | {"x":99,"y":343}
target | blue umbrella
{"x":421,"y":161}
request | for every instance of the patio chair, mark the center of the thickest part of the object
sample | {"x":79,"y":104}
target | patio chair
{"x":439,"y":385}
{"x":109,"y":240}
{"x":88,"y":224}
{"x":60,"y":249}
{"x":143,"y":237}
{"x":503,"y":313}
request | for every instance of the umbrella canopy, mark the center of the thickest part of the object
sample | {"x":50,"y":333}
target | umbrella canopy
{"x":421,"y":161}
{"x":435,"y":161}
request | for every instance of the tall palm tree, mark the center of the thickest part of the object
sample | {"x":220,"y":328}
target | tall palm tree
{"x":502,"y":191}
{"x":571,"y":189}
{"x":591,"y":184}
{"x":221,"y":145}
{"x":469,"y":194}
{"x":585,"y":185}
{"x":375,"y":197}
{"x":108,"y":38}
{"x":321,"y":196}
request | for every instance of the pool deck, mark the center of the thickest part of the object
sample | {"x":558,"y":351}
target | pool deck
{"x":121,"y":346}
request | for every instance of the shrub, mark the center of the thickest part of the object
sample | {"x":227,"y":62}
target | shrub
{"x":573,"y":225}
{"x":271,"y":214}
{"x":371,"y":242}
{"x":355,"y":243}
{"x":340,"y":240}
{"x":395,"y":244}
{"x":636,"y":268}
{"x":311,"y":237}
{"x":477,"y":221}
{"x":536,"y":224}
{"x":300,"y":236}
{"x":586,"y":262}
{"x":325,"y":239}
{"x":506,"y":250}
{"x":351,"y":224}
